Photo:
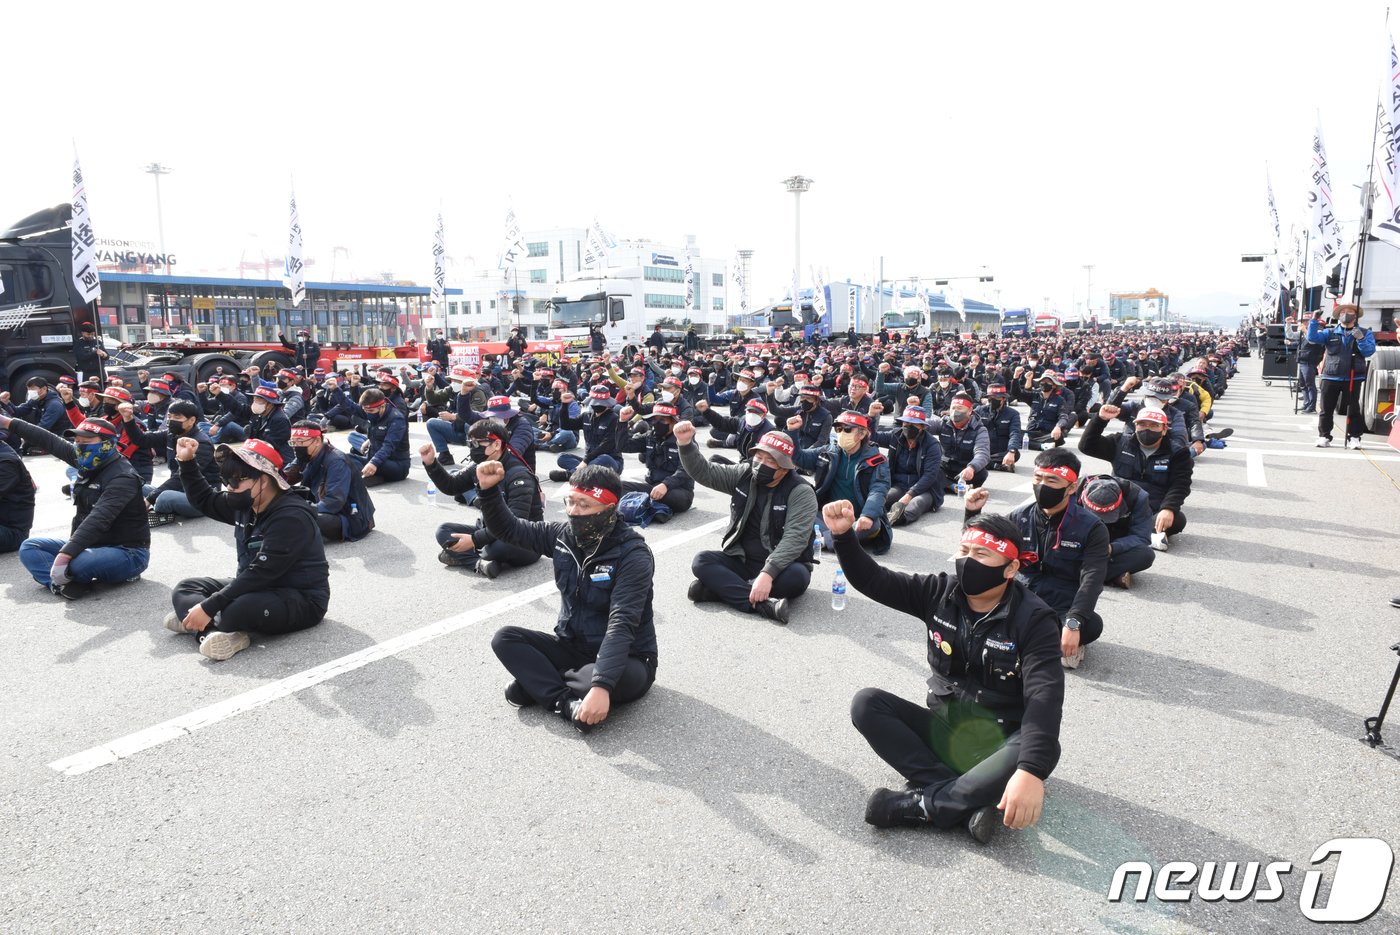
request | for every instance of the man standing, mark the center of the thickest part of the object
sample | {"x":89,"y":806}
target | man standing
{"x":989,"y":736}
{"x":438,"y":349}
{"x":765,"y":556}
{"x":1347,"y":345}
{"x":283,"y":581}
{"x":657,"y":341}
{"x":603,"y":648}
{"x":88,"y":355}
{"x":305,"y":353}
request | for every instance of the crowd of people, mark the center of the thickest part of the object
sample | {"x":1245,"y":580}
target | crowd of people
{"x":833,"y":446}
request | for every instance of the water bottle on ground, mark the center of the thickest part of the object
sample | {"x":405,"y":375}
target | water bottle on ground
{"x":838,"y":590}
{"x":432,"y":496}
{"x":816,"y":542}
{"x":961,"y":489}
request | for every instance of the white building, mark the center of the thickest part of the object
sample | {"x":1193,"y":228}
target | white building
{"x":493,"y":301}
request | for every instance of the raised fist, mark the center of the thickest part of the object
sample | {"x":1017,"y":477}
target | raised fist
{"x":839,"y":516}
{"x":428,"y":453}
{"x":489,"y":474}
{"x":186,"y":449}
{"x":684,"y":433}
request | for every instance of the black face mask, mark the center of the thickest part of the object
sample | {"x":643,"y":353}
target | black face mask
{"x":1148,"y":439}
{"x":281,"y":384}
{"x":911,"y":432}
{"x":303,"y":455}
{"x":240,"y":502}
{"x":975,"y":578}
{"x":177,"y":428}
{"x":911,"y":382}
{"x":590,"y":530}
{"x":809,"y":404}
{"x":599,"y":411}
{"x":1047,"y":497}
{"x":477,"y":453}
{"x":997,"y":403}
{"x":1047,"y":390}
{"x":765,"y":474}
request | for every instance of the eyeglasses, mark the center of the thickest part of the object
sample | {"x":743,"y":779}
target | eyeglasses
{"x":845,"y":428}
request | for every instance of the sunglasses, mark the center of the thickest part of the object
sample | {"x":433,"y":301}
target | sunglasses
{"x":845,"y":428}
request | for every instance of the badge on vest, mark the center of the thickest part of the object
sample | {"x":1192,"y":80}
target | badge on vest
{"x":602,"y":574}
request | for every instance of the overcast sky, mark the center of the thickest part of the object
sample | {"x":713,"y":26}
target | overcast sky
{"x":1028,"y":138}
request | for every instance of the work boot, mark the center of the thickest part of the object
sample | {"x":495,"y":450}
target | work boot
{"x":487,"y":568}
{"x":558,"y":474}
{"x":218,"y":645}
{"x":455,"y":559}
{"x":517,"y":696}
{"x":982,"y":824}
{"x":887,"y":808}
{"x":445,"y":458}
{"x":697,"y":593}
{"x":774,"y":610}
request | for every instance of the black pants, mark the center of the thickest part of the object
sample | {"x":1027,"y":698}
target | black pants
{"x":554,"y":671}
{"x":1130,"y":561}
{"x":961,"y":761}
{"x":281,"y":610}
{"x":332,"y":529}
{"x":729,"y":578}
{"x":339,"y":421}
{"x":1344,"y":398}
{"x":497,"y":551}
{"x":917,"y":507}
{"x":1060,"y":596}
{"x":1177,"y":525}
{"x":11,"y":537}
{"x":679,"y":499}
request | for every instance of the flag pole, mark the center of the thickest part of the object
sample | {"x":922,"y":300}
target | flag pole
{"x":1368,"y":197}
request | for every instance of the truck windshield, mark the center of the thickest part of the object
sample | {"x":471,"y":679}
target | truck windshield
{"x":901,"y":319}
{"x":578,"y":314}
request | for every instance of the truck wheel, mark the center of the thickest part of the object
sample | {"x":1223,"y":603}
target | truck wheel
{"x":202,"y":366}
{"x":261,"y":358}
{"x":25,"y":374}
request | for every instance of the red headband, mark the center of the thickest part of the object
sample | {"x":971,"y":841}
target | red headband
{"x":306,"y":433}
{"x":975,"y":536}
{"x":1067,"y":473}
{"x":605,"y":497}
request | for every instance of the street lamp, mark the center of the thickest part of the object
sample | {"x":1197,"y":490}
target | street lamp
{"x":156,"y":170}
{"x":797,"y":185}
{"x":1088,"y":291}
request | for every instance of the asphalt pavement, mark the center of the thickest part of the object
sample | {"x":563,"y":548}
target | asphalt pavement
{"x":366,"y":775}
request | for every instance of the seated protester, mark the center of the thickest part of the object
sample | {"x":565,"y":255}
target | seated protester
{"x":293,"y":399}
{"x":158,"y":399}
{"x":666,"y":481}
{"x":1122,"y":507}
{"x":473,"y":546}
{"x":231,"y":410}
{"x":809,"y":422}
{"x":899,"y":393}
{"x":859,"y":398}
{"x":450,"y":426}
{"x":916,"y":468}
{"x":765,"y":556}
{"x":16,"y":497}
{"x":1082,"y":391}
{"x":115,"y":403}
{"x":1144,"y":457}
{"x":1065,"y":557}
{"x":42,"y":407}
{"x":392,"y":389}
{"x":600,"y":431}
{"x":266,"y":422}
{"x":109,"y":541}
{"x":738,"y":433}
{"x":1003,"y":424}
{"x":940,"y":395}
{"x":382,"y":456}
{"x":344,"y":508}
{"x":852,"y":469}
{"x":603,"y":648}
{"x":737,"y":400}
{"x":553,"y":436}
{"x":522,"y":431}
{"x":967,"y":446}
{"x":1184,"y":429}
{"x":283,"y":581}
{"x":988,"y":737}
{"x":1052,"y":410}
{"x":168,"y":501}
{"x":326,"y":409}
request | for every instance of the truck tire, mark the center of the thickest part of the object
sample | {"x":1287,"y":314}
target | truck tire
{"x":1383,"y":374}
{"x":202,"y":366}
{"x":26,"y":372}
{"x":260,"y":359}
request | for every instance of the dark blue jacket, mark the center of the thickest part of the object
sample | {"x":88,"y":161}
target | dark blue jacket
{"x":918,"y":469}
{"x":47,"y":413}
{"x":1065,"y":557}
{"x":660,"y":455}
{"x":1346,"y":356}
{"x":1003,"y":428}
{"x":599,"y":433}
{"x":339,"y":491}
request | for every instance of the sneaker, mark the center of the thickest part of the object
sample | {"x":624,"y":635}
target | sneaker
{"x":895,"y":514}
{"x":1223,"y":433}
{"x":487,"y":568}
{"x":982,"y":824}
{"x":219,"y":645}
{"x":173,"y":623}
{"x":1354,"y":443}
{"x":1395,"y":602}
{"x":887,"y":808}
{"x":569,"y":712}
{"x":72,"y":591}
{"x":518,"y":697}
{"x":454,"y":559}
{"x":714,"y":443}
{"x":774,"y":610}
{"x":445,"y":458}
{"x":1073,"y":660}
{"x":66,"y":490}
{"x":1159,"y":542}
{"x":154,"y":519}
{"x":558,"y":474}
{"x":1124,"y":581}
{"x":697,"y":593}
{"x":1324,"y":442}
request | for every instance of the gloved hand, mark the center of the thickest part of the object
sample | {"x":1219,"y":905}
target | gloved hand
{"x":58,"y":573}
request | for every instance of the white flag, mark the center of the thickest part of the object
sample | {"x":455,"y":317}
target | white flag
{"x":596,"y":245}
{"x":1385,"y":217}
{"x":513,"y":247}
{"x":689,"y":282}
{"x":740,"y":285}
{"x":439,"y":264}
{"x":1325,"y":233}
{"x":1273,"y":210}
{"x":819,"y":296}
{"x":293,"y":273}
{"x":1267,"y":302}
{"x":954,"y":298}
{"x":796,"y":293}
{"x":84,"y":240}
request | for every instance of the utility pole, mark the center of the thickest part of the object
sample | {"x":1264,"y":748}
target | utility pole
{"x":797,"y":184}
{"x":1088,"y":292}
{"x":156,"y":170}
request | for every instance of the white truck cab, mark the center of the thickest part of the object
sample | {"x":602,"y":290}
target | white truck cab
{"x":614,"y":305}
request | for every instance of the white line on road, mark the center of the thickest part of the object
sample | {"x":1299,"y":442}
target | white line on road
{"x":186,"y":724}
{"x":1254,"y":469}
{"x":1315,"y":453}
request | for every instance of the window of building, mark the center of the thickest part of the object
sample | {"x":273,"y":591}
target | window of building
{"x":452,"y":308}
{"x":538,"y":275}
{"x":717,"y":304}
{"x":493,"y":305}
{"x":717,"y":279}
{"x":537,"y":249}
{"x":663,"y":274}
{"x":657,"y":300}
{"x":478,"y":306}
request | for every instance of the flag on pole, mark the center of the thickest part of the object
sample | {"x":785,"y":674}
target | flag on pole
{"x":1385,"y":217}
{"x":1267,"y":302}
{"x":596,"y":245}
{"x":689,"y":281}
{"x":293,"y":273}
{"x":439,"y":264}
{"x":818,"y":296}
{"x":85,"y":277}
{"x":1325,"y":234}
{"x":513,"y":245}
{"x":796,"y":295}
{"x":741,"y":285}
{"x":954,"y":298}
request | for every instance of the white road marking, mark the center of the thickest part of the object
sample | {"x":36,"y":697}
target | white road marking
{"x":1337,"y":451}
{"x":186,"y":724}
{"x":1254,"y":469}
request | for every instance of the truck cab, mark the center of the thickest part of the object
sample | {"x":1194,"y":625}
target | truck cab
{"x":613,"y":305}
{"x":40,"y":309}
{"x":908,"y":317}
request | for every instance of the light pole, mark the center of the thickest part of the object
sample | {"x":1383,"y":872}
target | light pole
{"x":156,"y":170}
{"x":797,"y":185}
{"x":1088,"y":291}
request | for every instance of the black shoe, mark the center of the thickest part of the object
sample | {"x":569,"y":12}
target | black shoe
{"x":73,"y":590}
{"x":982,"y":824}
{"x":487,"y":568}
{"x":661,"y":519}
{"x":454,"y":559}
{"x":154,"y":519}
{"x":895,"y":514}
{"x":887,"y":808}
{"x":66,"y":490}
{"x":518,"y":697}
{"x":558,"y":474}
{"x":776,"y":611}
{"x":446,"y":458}
{"x":699,"y":594}
{"x":1223,"y":433}
{"x":569,"y":712}
{"x":714,"y":443}
{"x":1395,"y":602}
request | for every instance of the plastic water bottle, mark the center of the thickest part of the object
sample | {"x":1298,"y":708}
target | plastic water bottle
{"x":432,"y":496}
{"x":838,"y":590}
{"x":962,"y":489}
{"x":816,"y":542}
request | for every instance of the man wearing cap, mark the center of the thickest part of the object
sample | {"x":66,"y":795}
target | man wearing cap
{"x":1346,"y":347}
{"x":450,"y":426}
{"x":344,"y":508}
{"x":602,"y":652}
{"x":736,"y":433}
{"x":967,"y":446}
{"x":1122,"y":507}
{"x":1003,"y":425}
{"x":158,"y":398}
{"x":383,"y":455}
{"x":179,"y":389}
{"x":266,"y":422}
{"x":1144,"y":457}
{"x":666,"y":481}
{"x":1184,"y":426}
{"x":283,"y":581}
{"x":439,"y":350}
{"x":1052,"y":409}
{"x":16,"y":496}
{"x":600,"y":427}
{"x":88,"y":354}
{"x":522,"y":431}
{"x":852,"y":469}
{"x":42,"y":406}
{"x":231,"y":411}
{"x":115,"y":405}
{"x":916,"y":468}
{"x":809,"y":422}
{"x":1065,"y":556}
{"x":109,"y":540}
{"x":169,"y":501}
{"x":305,"y":353}
{"x":293,"y":399}
{"x":987,"y":737}
{"x":552,"y":434}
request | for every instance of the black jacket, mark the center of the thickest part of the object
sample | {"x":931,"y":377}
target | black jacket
{"x":605,"y":594}
{"x":522,"y":491}
{"x":339,"y":490}
{"x":16,"y":491}
{"x":166,"y":439}
{"x":1165,"y":474}
{"x":1006,"y":667}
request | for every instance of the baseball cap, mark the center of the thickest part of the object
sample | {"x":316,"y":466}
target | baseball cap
{"x":780,"y":446}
